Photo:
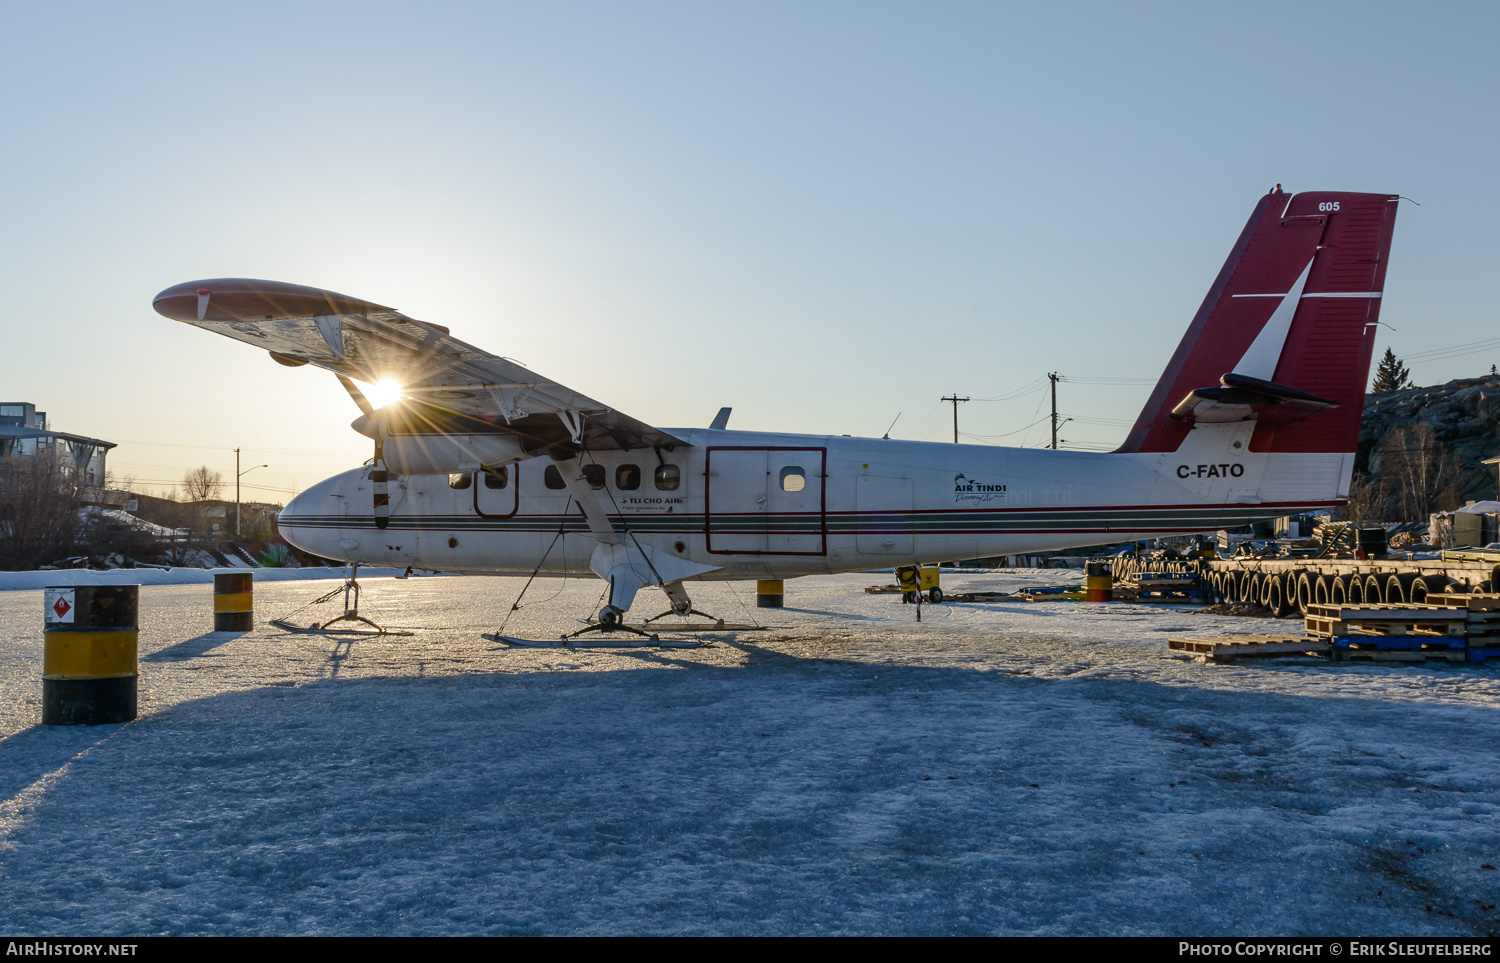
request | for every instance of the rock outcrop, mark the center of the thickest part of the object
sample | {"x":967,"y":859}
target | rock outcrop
{"x":1464,"y":416}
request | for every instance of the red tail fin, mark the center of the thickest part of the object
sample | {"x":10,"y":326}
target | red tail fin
{"x":1295,"y":305}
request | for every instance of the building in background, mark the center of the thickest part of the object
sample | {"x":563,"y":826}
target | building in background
{"x":24,"y":431}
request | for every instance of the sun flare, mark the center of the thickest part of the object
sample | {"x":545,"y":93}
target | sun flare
{"x":383,"y":392}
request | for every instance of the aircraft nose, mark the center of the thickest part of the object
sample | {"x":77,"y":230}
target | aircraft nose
{"x":311,"y":521}
{"x":288,"y":523}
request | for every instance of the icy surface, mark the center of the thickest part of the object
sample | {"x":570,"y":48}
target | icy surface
{"x":996,"y":768}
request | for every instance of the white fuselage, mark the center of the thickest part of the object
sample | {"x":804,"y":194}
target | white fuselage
{"x":766,"y":505}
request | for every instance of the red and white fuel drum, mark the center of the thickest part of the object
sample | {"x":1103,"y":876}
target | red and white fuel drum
{"x":89,"y":663}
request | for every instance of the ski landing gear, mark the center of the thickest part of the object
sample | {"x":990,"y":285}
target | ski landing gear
{"x":350,"y":588}
{"x":682,"y":607}
{"x":612,"y":620}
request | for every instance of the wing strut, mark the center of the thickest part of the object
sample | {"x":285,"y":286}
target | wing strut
{"x":623,"y":562}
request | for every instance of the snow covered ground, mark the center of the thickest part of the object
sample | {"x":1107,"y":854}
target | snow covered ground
{"x":997,"y":768}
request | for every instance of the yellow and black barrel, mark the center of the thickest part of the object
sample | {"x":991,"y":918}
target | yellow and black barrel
{"x":89,"y":654}
{"x":234,"y":609}
{"x":769,"y":593}
{"x":1098,"y":584}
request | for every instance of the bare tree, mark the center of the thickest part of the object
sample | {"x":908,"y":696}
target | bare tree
{"x":202,"y":483}
{"x":1420,"y":469}
{"x":1367,"y":500}
{"x":39,"y":501}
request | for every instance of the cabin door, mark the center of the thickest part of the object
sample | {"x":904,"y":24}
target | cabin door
{"x":766,"y":501}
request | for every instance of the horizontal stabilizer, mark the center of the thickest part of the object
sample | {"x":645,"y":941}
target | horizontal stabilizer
{"x":1240,"y":397}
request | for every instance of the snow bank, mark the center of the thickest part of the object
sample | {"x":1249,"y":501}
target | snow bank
{"x":174,"y":576}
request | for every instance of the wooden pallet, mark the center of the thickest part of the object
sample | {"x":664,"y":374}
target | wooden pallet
{"x":1366,"y":654}
{"x":1072,"y":595}
{"x":982,"y":597}
{"x":1399,"y":648}
{"x":1476,"y":603}
{"x":1329,"y":628}
{"x":1328,"y":621}
{"x":1406,"y":643}
{"x":1159,"y":588}
{"x":1472,"y":555}
{"x":1231,"y":647}
{"x":1189,"y":584}
{"x":1124,"y":592}
{"x":1482,"y":612}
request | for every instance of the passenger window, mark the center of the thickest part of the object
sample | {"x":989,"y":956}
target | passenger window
{"x":792,"y":479}
{"x":668,"y":477}
{"x":496,"y":478}
{"x":552,"y":478}
{"x":628,"y":478}
{"x":460,"y":480}
{"x":594,"y":475}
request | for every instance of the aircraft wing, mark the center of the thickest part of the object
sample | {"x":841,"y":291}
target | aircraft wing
{"x":451,"y":387}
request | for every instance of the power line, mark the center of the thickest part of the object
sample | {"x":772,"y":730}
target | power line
{"x":1108,"y":381}
{"x":1021,"y":392}
{"x":1108,"y":422}
{"x":1009,"y":433}
{"x":230,"y":448}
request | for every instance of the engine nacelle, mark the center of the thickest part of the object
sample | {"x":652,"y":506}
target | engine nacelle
{"x":441,"y":454}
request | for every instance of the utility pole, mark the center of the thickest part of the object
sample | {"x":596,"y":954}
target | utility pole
{"x":237,"y":476}
{"x":1054,"y":379}
{"x":955,"y":399}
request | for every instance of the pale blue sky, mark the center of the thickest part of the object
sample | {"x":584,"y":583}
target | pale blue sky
{"x":819,"y":213}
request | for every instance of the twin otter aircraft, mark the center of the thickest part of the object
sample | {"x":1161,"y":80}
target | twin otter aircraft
{"x":485,"y":466}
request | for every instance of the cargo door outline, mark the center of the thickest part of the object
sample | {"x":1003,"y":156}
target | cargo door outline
{"x":744,"y":522}
{"x":883,"y":508}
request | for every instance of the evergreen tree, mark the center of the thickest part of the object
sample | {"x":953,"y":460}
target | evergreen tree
{"x":1391,"y":374}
